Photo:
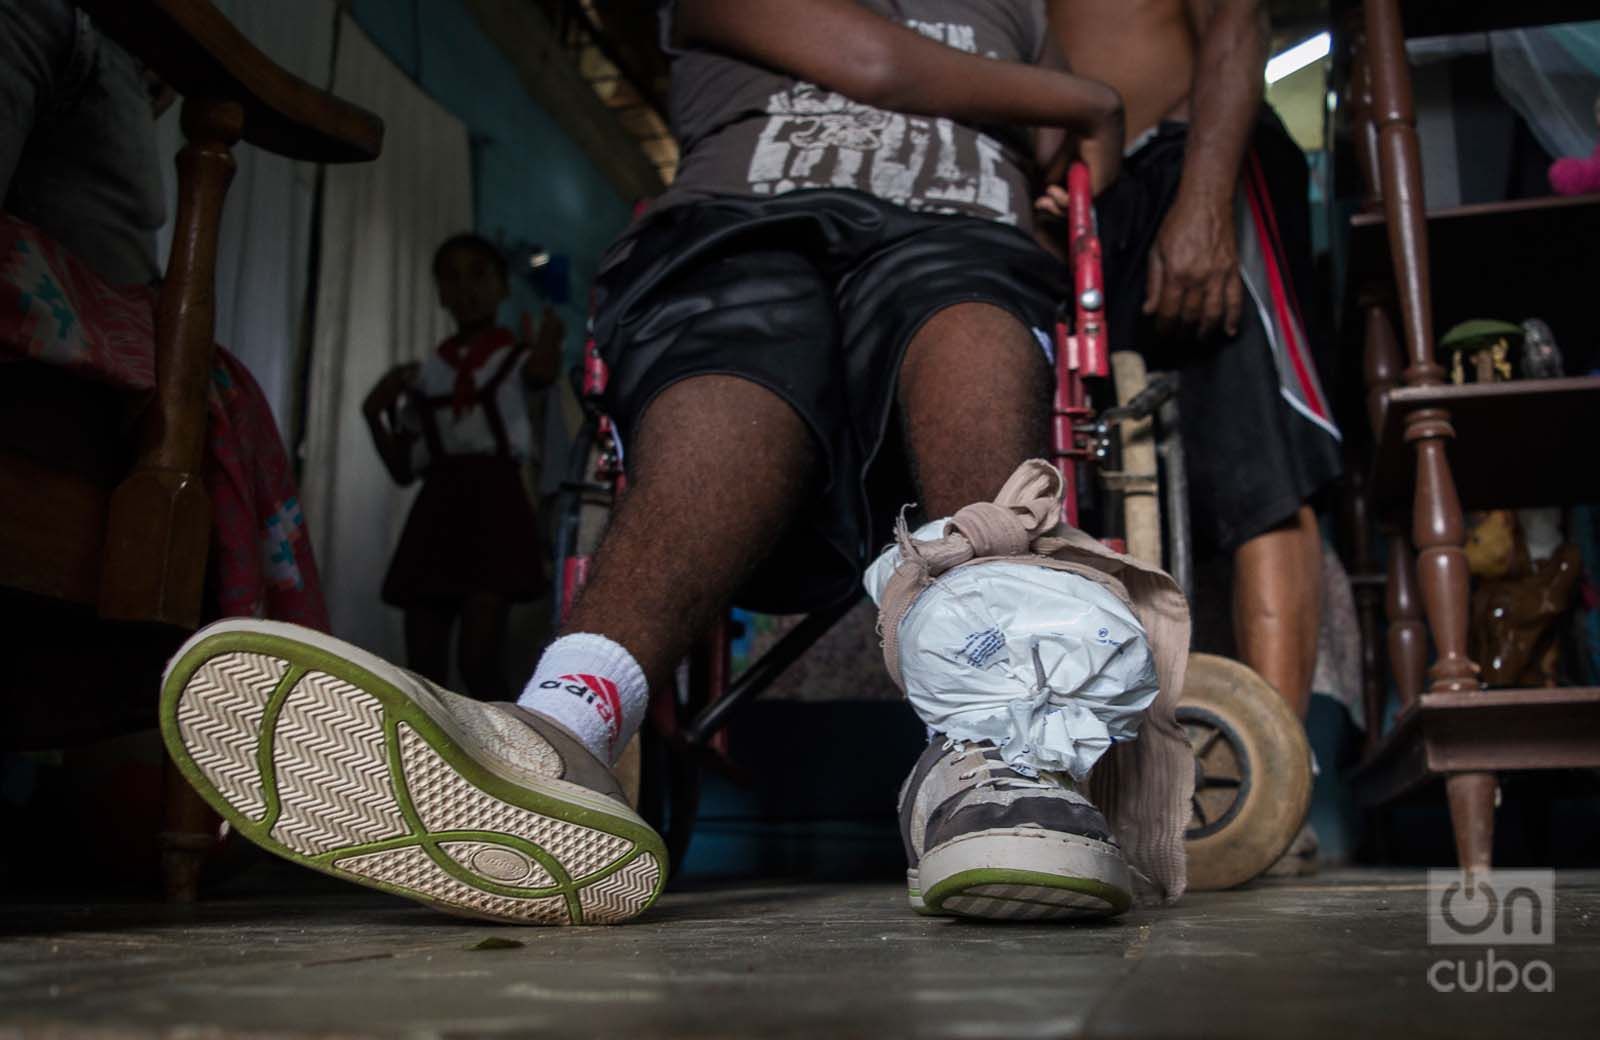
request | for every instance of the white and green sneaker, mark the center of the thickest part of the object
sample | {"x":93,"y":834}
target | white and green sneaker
{"x":335,"y":759}
{"x":984,"y":840}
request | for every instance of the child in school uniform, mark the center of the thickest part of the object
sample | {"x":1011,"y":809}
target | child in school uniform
{"x":460,"y":421}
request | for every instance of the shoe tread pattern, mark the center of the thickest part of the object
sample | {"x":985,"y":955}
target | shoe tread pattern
{"x":617,"y":896}
{"x":332,"y":769}
{"x":338,"y":794}
{"x":445,"y":800}
{"x":412,"y":869}
{"x":220,"y":718}
{"x":1024,"y":903}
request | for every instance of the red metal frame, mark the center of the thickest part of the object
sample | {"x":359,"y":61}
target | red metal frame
{"x":1081,"y":349}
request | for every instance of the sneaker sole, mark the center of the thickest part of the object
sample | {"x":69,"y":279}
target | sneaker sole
{"x":310,"y":752}
{"x":914,"y":894}
{"x":1023,"y":875}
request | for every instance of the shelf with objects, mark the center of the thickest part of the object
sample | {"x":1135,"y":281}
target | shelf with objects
{"x":1464,"y":422}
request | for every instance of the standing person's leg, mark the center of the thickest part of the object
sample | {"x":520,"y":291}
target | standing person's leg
{"x":481,"y":644}
{"x":427,"y":631}
{"x":1277,"y":605}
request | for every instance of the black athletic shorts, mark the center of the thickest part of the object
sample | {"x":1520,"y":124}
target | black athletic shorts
{"x":1258,"y":437}
{"x":815,"y":296}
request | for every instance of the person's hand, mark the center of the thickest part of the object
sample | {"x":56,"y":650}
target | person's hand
{"x":1194,"y":269}
{"x":1102,"y":150}
{"x":552,"y":330}
{"x":385,"y":396}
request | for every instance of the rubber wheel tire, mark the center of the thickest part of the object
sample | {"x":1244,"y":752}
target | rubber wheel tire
{"x":1252,"y":773}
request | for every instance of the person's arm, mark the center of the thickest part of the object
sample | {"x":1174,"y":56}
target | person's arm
{"x":394,"y":446}
{"x":1194,"y":264}
{"x":1055,"y":148}
{"x":544,"y":349}
{"x":846,"y":48}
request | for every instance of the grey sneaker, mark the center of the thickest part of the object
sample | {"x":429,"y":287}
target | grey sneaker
{"x":333,"y":758}
{"x":984,"y":840}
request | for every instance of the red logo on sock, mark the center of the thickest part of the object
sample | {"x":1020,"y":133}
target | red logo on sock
{"x":602,"y":693}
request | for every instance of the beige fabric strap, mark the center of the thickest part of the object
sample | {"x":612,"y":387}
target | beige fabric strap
{"x":1029,"y":504}
{"x":1143,"y":786}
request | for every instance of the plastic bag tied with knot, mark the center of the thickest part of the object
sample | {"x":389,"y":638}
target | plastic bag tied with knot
{"x":990,"y":644}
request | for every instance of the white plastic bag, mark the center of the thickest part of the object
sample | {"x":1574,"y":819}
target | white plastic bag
{"x":1050,"y":666}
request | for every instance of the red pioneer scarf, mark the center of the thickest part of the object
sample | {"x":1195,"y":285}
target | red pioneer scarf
{"x":466,"y":356}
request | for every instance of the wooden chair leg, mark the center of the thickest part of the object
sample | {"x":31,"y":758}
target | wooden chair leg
{"x":189,"y":833}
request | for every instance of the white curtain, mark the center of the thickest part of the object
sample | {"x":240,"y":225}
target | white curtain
{"x":264,"y":244}
{"x":375,"y":308}
{"x":1551,"y":76}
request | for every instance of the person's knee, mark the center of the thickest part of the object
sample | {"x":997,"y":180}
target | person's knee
{"x":972,"y":337}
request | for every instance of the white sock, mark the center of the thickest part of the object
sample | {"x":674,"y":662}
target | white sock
{"x":594,"y":688}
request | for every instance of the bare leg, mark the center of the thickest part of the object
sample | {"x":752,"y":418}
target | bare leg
{"x":721,"y":464}
{"x":1277,"y":605}
{"x":480,"y":647}
{"x":975,"y":393}
{"x":428,"y":640}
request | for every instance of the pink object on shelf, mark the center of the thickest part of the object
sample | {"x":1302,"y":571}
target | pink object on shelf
{"x":1572,"y":176}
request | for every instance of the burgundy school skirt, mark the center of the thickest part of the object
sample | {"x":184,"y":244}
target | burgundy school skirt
{"x":472,"y":530}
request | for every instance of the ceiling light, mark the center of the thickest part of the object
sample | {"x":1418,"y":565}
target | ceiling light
{"x":1298,"y":57}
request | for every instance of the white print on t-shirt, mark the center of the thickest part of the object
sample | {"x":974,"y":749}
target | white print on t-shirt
{"x":815,"y":138}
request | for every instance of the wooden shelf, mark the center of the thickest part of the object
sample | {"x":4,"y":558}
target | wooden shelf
{"x":1447,"y":17}
{"x":1487,"y":730}
{"x":1533,"y":258}
{"x":1523,"y":443}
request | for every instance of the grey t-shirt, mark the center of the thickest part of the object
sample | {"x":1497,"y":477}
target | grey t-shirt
{"x":748,"y":130}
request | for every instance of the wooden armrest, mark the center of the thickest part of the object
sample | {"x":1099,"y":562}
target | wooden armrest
{"x":199,"y":52}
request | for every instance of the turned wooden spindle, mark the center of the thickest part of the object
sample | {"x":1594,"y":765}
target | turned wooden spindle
{"x":1364,"y":132}
{"x":1408,"y":636}
{"x":1380,"y":364}
{"x":1437,"y":527}
{"x":1439,"y":533}
{"x":1358,"y":524}
{"x":1400,"y":169}
{"x":162,"y":501}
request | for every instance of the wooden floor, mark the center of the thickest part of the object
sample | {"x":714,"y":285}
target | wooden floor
{"x":1345,"y":954}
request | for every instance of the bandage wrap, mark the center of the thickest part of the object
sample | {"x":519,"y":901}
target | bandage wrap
{"x":993,"y":639}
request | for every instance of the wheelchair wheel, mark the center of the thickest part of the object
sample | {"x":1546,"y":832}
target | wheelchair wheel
{"x":1252,"y":773}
